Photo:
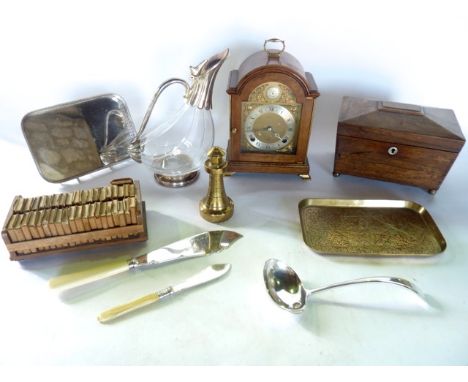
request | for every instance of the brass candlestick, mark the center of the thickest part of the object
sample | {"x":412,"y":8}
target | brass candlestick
{"x":216,"y":206}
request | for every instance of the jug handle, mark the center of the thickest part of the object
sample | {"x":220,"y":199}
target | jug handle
{"x":109,"y":114}
{"x":161,"y":88}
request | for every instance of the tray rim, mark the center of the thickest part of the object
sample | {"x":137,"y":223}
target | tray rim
{"x":374,"y":203}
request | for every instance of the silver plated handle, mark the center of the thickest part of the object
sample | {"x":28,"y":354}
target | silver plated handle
{"x":149,"y":111}
{"x":391,"y":280}
{"x":135,"y":148}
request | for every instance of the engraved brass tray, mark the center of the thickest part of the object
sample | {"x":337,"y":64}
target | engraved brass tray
{"x":369,"y":228}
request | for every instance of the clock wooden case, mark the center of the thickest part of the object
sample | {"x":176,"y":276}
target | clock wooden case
{"x":271,"y":103}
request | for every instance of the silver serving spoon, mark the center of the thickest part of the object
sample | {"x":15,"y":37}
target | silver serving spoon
{"x":285,"y":287}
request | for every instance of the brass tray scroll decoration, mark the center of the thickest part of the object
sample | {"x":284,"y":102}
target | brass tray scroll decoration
{"x":369,"y":228}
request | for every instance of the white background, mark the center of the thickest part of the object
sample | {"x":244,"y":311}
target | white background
{"x":412,"y":52}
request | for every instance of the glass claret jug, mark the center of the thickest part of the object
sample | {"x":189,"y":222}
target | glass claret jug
{"x":177,"y":148}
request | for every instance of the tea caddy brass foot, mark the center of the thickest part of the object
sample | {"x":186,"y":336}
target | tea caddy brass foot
{"x":216,"y":206}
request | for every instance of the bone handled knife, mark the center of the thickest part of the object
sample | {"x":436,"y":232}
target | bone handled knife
{"x":203,"y":244}
{"x":208,"y":274}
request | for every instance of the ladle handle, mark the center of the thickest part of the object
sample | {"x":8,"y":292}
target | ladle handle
{"x":391,"y":280}
{"x":161,"y":88}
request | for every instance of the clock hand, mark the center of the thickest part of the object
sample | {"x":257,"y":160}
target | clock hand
{"x":278,"y":136}
{"x":270,"y":130}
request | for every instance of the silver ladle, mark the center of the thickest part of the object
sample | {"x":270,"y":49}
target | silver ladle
{"x":285,"y":287}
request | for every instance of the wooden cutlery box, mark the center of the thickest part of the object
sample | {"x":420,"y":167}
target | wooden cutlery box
{"x":396,"y":142}
{"x":73,"y":221}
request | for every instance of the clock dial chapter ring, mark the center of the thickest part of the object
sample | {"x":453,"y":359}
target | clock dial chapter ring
{"x":269,"y":127}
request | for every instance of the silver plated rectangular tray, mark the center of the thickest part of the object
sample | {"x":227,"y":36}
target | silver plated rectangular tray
{"x":74,"y":139}
{"x":351,"y":227}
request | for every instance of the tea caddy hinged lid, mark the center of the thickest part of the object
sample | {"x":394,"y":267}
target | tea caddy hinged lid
{"x":415,"y":125}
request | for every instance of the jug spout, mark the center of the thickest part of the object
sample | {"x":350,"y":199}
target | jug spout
{"x":203,"y":77}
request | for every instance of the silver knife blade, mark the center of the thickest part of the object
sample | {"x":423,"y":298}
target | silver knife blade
{"x":208,"y":274}
{"x":203,"y":244}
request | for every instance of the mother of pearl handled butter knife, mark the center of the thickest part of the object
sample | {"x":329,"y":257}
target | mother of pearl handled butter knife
{"x":208,"y":274}
{"x":203,"y":244}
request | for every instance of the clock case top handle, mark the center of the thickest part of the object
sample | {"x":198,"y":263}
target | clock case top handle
{"x":274,"y":53}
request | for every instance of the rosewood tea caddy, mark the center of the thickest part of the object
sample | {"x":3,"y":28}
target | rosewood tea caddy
{"x":396,"y":142}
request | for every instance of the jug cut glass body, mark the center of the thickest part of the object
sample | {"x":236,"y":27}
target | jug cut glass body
{"x":177,"y":148}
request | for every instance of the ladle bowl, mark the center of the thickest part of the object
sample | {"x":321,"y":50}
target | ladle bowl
{"x":286,"y":289}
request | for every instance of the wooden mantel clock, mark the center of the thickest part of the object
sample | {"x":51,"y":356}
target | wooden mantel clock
{"x":272,"y":103}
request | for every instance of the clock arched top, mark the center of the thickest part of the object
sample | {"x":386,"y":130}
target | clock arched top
{"x":264,"y":64}
{"x":307,"y":83}
{"x":263,"y":59}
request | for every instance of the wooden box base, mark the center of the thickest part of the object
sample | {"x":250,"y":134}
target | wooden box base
{"x":415,"y":166}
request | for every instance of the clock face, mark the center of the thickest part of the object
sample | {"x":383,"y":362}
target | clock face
{"x":270,"y":120}
{"x":269,"y":127}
